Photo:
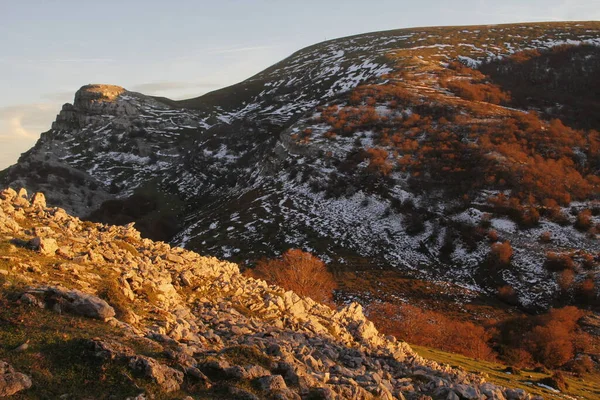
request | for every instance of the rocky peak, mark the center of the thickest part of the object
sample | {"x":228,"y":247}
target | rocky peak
{"x":97,"y":93}
{"x":96,"y":101}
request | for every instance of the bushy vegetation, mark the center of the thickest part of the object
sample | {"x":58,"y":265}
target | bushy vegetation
{"x":553,"y":339}
{"x":299,"y":271}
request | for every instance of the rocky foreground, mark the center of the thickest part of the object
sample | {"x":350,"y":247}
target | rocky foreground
{"x":215,"y":333}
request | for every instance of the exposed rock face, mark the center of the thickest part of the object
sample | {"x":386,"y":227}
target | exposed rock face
{"x":215,"y":326}
{"x":91,"y":94}
{"x":12,"y":382}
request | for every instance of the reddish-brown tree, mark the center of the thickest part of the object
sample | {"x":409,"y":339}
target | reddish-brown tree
{"x":300,"y":272}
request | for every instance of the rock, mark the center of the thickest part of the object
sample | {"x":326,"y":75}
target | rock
{"x":271,"y":383}
{"x":175,"y":258}
{"x":106,"y":350}
{"x":78,"y":302}
{"x":467,"y":392}
{"x":167,"y":378}
{"x":256,"y":371}
{"x":215,"y":369}
{"x":38,"y":200}
{"x":557,"y":381}
{"x":12,"y":382}
{"x":323,"y":393}
{"x":22,"y":347}
{"x":492,"y":392}
{"x":196,"y":375}
{"x":285,"y":394}
{"x":8,"y":194}
{"x":516,"y":394}
{"x":28,"y":298}
{"x":240,"y":394}
{"x":46,"y":246}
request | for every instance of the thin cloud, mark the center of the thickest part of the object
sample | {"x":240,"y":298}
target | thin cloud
{"x":26,"y":120}
{"x":20,"y":127}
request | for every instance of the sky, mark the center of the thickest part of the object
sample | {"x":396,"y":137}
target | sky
{"x":184,"y":48}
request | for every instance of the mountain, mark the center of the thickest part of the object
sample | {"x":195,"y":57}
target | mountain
{"x":462,"y":155}
{"x":95,"y":311}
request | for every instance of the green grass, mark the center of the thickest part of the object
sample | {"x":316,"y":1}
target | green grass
{"x":585,"y":387}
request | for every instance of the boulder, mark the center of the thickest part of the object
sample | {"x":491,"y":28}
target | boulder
{"x":46,"y":246}
{"x":77,"y":302}
{"x":12,"y":382}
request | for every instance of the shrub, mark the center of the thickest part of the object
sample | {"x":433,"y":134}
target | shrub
{"x":558,"y":261}
{"x":584,"y":220}
{"x":501,"y":253}
{"x":546,"y":237}
{"x":300,"y":272}
{"x":507,"y":294}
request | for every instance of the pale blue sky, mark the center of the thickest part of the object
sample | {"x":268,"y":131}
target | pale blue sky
{"x":181,"y":49}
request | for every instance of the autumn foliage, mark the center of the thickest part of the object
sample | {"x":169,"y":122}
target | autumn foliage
{"x":458,"y":139}
{"x":300,"y":272}
{"x":553,"y":339}
{"x":429,"y":328}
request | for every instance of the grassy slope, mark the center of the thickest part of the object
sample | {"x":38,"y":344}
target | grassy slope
{"x":585,"y":387}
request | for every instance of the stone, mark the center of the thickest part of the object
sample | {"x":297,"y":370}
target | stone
{"x":46,"y":246}
{"x":322,"y":393}
{"x":12,"y":382}
{"x":240,"y":394}
{"x":78,"y":302}
{"x":516,"y":394}
{"x":167,"y":378}
{"x":467,"y":392}
{"x":8,"y":194}
{"x":28,"y":298}
{"x":106,"y":350}
{"x":271,"y":383}
{"x":492,"y":392}
{"x":38,"y":200}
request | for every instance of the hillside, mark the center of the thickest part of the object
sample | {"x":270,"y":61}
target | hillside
{"x":462,"y":155}
{"x":95,"y":311}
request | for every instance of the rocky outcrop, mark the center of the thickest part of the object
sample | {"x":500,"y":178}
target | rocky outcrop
{"x":91,"y":94}
{"x":12,"y":382}
{"x":213,"y":326}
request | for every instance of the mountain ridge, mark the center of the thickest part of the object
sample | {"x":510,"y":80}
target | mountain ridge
{"x":251,"y":172}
